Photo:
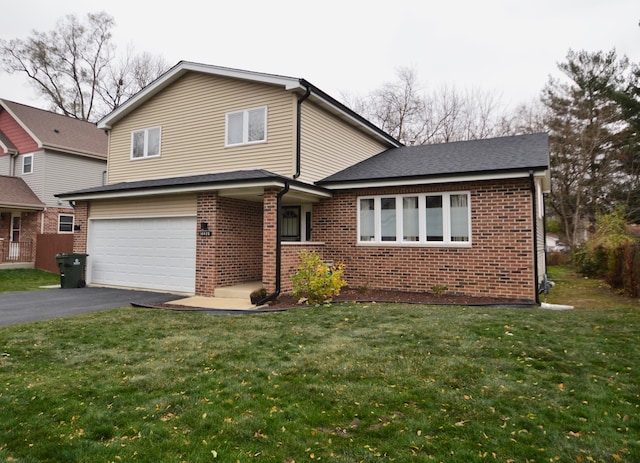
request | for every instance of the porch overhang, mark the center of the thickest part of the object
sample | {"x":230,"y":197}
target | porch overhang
{"x":246,"y":185}
{"x":17,"y":207}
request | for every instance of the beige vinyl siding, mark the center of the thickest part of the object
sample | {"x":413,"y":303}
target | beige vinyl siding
{"x":329,"y":144}
{"x":191,"y":113}
{"x":157,"y":206}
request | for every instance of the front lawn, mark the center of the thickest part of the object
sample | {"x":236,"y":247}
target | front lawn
{"x":349,"y":383}
{"x":26,"y":279}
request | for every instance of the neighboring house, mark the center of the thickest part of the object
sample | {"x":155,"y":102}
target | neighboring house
{"x":220,"y":176}
{"x":42,"y":154}
{"x":554,"y":243}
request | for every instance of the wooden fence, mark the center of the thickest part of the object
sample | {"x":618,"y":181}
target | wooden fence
{"x":47,"y":248}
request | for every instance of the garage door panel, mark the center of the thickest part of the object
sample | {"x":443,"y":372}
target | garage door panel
{"x":154,"y":253}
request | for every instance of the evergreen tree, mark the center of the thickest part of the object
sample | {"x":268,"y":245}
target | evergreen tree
{"x":587,"y":130}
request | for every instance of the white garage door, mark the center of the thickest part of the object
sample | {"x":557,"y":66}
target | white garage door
{"x":154,"y":253}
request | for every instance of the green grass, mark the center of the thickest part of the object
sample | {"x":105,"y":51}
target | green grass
{"x":349,"y":383}
{"x":26,"y":279}
{"x":580,"y":292}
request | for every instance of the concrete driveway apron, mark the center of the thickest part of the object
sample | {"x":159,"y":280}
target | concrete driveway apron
{"x":29,"y":306}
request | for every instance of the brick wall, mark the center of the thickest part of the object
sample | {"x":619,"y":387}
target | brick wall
{"x":291,"y":260}
{"x":51,"y":218}
{"x":498,"y":264}
{"x":239,"y":250}
{"x":81,"y":219}
{"x":269,"y":236}
{"x":207,"y":204}
{"x":233,"y":252}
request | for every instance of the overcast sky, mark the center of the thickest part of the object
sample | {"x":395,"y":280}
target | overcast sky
{"x":506,"y":47}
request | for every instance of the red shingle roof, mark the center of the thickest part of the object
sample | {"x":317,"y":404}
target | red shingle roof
{"x":58,"y":132}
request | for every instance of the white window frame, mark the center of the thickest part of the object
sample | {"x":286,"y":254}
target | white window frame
{"x":446,"y":214}
{"x":73,"y":221}
{"x":24,"y":158}
{"x":245,"y":127}
{"x":145,"y":154}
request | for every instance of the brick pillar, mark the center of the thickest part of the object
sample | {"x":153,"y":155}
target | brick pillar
{"x":269,"y":239}
{"x":81,"y":220}
{"x":206,"y":274}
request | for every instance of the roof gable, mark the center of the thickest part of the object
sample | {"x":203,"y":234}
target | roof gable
{"x":57,"y":132}
{"x":290,"y":84}
{"x":467,"y":158}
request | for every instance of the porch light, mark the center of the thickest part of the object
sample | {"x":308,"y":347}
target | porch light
{"x":204,"y":226}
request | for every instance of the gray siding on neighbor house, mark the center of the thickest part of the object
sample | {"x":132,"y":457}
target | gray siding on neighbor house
{"x":67,"y":172}
{"x":35,"y":179}
{"x":5,"y":165}
{"x":55,"y":173}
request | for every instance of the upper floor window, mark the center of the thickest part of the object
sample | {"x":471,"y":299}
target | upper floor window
{"x":65,"y":223}
{"x":27,"y":163}
{"x":145,"y":143}
{"x":436,"y":219}
{"x":247,"y":126}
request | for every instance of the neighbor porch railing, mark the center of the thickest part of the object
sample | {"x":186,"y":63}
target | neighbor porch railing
{"x":16,"y":251}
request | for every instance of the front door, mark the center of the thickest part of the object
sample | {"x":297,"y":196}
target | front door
{"x":14,"y":237}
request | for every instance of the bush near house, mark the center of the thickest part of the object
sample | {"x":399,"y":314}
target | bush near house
{"x":315,"y":280}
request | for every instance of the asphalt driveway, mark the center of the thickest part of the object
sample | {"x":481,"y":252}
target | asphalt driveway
{"x":28,"y":306}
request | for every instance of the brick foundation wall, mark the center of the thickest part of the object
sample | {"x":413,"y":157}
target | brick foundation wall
{"x":498,"y":264}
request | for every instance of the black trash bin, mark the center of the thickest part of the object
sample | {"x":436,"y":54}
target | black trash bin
{"x":71,"y":267}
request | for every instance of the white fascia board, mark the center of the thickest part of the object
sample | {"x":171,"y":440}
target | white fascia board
{"x":189,"y":189}
{"x":289,"y":83}
{"x":430,"y":181}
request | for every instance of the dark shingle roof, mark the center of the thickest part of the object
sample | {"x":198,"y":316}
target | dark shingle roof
{"x":17,"y":194}
{"x":238,"y":177}
{"x":476,"y":157}
{"x":55,"y":131}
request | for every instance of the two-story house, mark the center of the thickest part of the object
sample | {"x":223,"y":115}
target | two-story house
{"x":221,"y":176}
{"x":42,"y":154}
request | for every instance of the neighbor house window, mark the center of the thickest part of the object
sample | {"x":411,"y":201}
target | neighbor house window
{"x":435,"y":219}
{"x":27,"y":163}
{"x":65,"y":223}
{"x":247,"y":126}
{"x":145,"y":143}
